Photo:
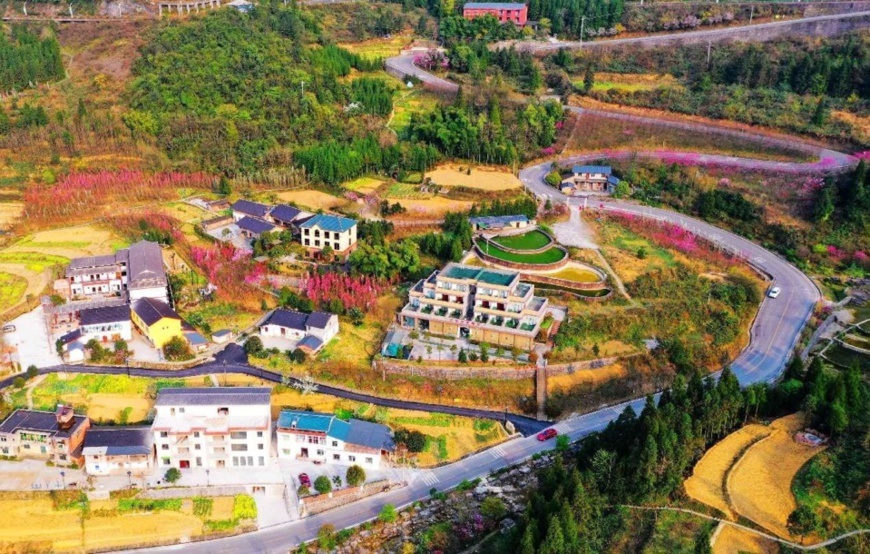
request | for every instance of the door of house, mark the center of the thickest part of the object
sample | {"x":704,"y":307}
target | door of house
{"x":184,"y":464}
{"x":304,"y":452}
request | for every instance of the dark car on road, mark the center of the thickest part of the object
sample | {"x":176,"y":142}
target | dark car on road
{"x":547,"y":434}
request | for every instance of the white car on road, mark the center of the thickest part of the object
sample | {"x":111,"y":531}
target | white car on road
{"x":774,"y":292}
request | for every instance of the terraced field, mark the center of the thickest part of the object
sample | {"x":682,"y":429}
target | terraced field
{"x":532,"y":240}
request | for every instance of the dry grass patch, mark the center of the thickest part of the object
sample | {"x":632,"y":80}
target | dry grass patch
{"x":378,"y":47}
{"x":364,"y":185}
{"x":430,"y":207}
{"x":485,"y":178}
{"x":707,"y":480}
{"x":12,"y":289}
{"x":732,"y":540}
{"x":108,"y":407}
{"x":312,"y":199}
{"x":631,"y":82}
{"x":9,"y":212}
{"x":586,"y":376}
{"x":760,"y":483}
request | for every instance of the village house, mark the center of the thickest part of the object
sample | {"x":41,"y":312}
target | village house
{"x":107,"y":324}
{"x":156,"y":321}
{"x":289,"y":217}
{"x":589,"y":179}
{"x":216,"y":223}
{"x":503,"y":11}
{"x":246,"y":208}
{"x":213,"y":427}
{"x":218,"y":205}
{"x":118,"y":450}
{"x":254,"y":228}
{"x":495,"y":223}
{"x":475,"y":303}
{"x":326,"y":438}
{"x":146,"y":273}
{"x":324,"y":230}
{"x":55,"y":437}
{"x":96,"y":276}
{"x":312,"y":331}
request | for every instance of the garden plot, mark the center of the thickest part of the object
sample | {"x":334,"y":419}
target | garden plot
{"x":12,"y":288}
{"x":760,"y":483}
{"x":363,"y":185}
{"x":484,"y":178}
{"x":706,"y":484}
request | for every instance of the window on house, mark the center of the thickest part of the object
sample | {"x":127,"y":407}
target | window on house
{"x":166,"y":461}
{"x":262,"y":460}
{"x":223,"y":411}
{"x":259,"y":434}
{"x":351,"y":458}
{"x":239,"y":435}
{"x":197,"y":447}
{"x":164,"y":447}
{"x":171,"y":411}
{"x":369,"y":460}
{"x":336,"y":457}
{"x":320,"y":452}
{"x":239,"y":448}
{"x":196,"y":434}
{"x":335,"y":443}
{"x":181,"y":410}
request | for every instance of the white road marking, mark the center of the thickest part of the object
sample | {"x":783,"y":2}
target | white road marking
{"x":430,"y":478}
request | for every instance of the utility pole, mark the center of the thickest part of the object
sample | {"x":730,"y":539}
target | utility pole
{"x":751,"y":13}
{"x":70,"y":10}
{"x":583,"y":24}
{"x":709,"y":47}
{"x":303,"y":88}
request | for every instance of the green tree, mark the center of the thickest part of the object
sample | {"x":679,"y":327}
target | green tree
{"x":588,"y":79}
{"x":355,"y":476}
{"x":172,"y":475}
{"x":322,"y":484}
{"x":493,"y":508}
{"x":484,"y":352}
{"x":177,"y":350}
{"x":388,"y":513}
{"x":802,"y":521}
{"x":254,"y":346}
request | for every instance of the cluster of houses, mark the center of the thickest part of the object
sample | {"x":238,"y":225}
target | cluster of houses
{"x":107,"y":297}
{"x":208,"y":428}
{"x":589,"y":179}
{"x":316,"y":232}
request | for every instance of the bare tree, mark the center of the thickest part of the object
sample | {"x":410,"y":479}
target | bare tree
{"x":306,"y":385}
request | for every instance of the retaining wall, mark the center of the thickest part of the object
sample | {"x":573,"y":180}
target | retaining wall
{"x":323,"y":502}
{"x":543,"y":279}
{"x":494,"y":373}
{"x":519,"y":265}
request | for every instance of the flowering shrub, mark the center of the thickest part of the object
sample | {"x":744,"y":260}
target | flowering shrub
{"x":351,"y":292}
{"x":433,"y":59}
{"x":153,"y":226}
{"x":80,"y":193}
{"x":233,"y":271}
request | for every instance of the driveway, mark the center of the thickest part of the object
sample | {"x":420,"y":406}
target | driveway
{"x":32,"y":341}
{"x":35,"y":475}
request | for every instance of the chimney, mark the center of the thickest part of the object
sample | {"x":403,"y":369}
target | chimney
{"x":64,"y":416}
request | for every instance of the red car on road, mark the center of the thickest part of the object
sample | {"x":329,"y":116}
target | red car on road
{"x":547,"y":434}
{"x":304,"y":480}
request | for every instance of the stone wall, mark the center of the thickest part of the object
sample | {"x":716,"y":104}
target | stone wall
{"x":533,"y":278}
{"x":498,"y":373}
{"x":323,"y":502}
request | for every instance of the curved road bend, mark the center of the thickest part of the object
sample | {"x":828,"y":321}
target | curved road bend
{"x":779,"y":321}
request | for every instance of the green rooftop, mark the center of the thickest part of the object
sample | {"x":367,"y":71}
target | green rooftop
{"x":461,"y":272}
{"x":496,"y":278}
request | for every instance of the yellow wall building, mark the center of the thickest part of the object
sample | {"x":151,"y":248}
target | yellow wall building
{"x":156,"y":320}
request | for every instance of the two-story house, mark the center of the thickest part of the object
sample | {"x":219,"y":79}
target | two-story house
{"x":326,"y":438}
{"x":56,"y":437}
{"x":156,"y":321}
{"x":597,"y":179}
{"x":137,"y":270}
{"x":213,"y":427}
{"x":324,"y":230}
{"x":106,"y":324}
{"x":117,"y":450}
{"x":487,"y":305}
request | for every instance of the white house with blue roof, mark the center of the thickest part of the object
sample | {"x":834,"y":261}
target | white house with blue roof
{"x":325,"y":438}
{"x":322,"y":230}
{"x":589,"y":179}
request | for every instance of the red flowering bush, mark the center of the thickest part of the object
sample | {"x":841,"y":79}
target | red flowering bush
{"x":352,"y":292}
{"x":231,"y":270}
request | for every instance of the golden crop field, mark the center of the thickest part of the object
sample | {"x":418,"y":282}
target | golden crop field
{"x":484,"y":178}
{"x":312,"y":199}
{"x":760,"y":483}
{"x":707,"y":480}
{"x":732,"y":540}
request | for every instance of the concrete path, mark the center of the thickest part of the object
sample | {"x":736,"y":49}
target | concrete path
{"x":575,"y":231}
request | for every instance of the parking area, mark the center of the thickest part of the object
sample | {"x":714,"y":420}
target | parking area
{"x":35,"y":475}
{"x":281,"y":344}
{"x":31,"y":341}
{"x":231,"y":233}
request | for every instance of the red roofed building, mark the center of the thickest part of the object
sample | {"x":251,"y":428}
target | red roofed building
{"x":504,"y":12}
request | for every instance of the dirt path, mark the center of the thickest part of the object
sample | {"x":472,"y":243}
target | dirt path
{"x":33,"y":384}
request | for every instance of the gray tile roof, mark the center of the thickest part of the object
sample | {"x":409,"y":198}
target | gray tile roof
{"x":250,"y":208}
{"x":108,"y":314}
{"x":46,"y":422}
{"x":371,"y":435}
{"x":254,"y":225}
{"x":214,"y":396}
{"x":319,"y":320}
{"x":285,"y":213}
{"x":145,"y":266}
{"x":288,"y":319}
{"x":119,"y":441}
{"x":151,"y":310}
{"x":310,"y":342}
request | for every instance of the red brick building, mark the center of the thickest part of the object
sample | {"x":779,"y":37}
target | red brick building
{"x":504,"y":12}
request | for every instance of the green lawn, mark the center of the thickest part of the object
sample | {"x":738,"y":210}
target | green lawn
{"x":12,"y":287}
{"x":527,"y":241}
{"x":33,"y":261}
{"x":546,"y":257}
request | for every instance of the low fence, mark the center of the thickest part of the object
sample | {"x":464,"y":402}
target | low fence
{"x":323,"y":502}
{"x":187,"y":492}
{"x":543,"y":279}
{"x":512,"y":373}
